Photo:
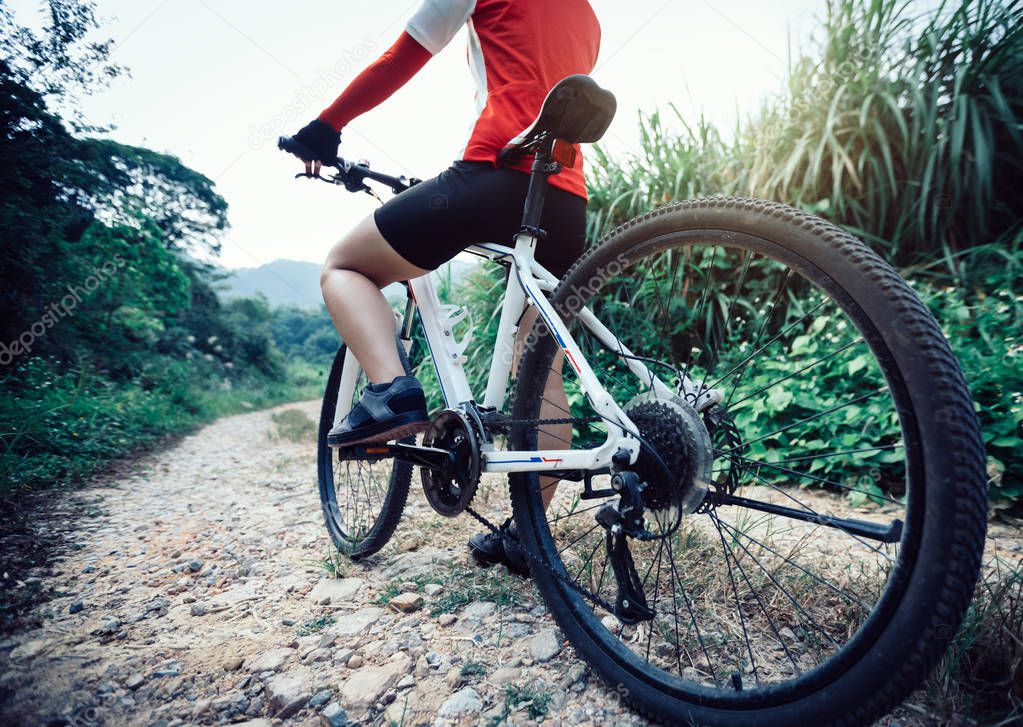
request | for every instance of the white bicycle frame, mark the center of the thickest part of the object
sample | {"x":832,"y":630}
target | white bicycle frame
{"x":526,"y":286}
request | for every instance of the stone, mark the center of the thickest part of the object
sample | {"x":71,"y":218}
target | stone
{"x":198,"y":609}
{"x":135,"y":681}
{"x":76,"y":606}
{"x":479,"y":610}
{"x":405,"y":682}
{"x":463,"y":701}
{"x":335,"y":590}
{"x":270,"y":660}
{"x":354,"y":661}
{"x":253,"y":723}
{"x":505,"y":675}
{"x":454,"y":678}
{"x":446,"y":619}
{"x":195,"y":565}
{"x":233,"y":663}
{"x":319,"y":699}
{"x":32,"y":648}
{"x":289,"y":692}
{"x":433,"y":589}
{"x":366,"y":686}
{"x":545,"y":645}
{"x":406,"y":602}
{"x":333,"y":716}
{"x":353,"y":624}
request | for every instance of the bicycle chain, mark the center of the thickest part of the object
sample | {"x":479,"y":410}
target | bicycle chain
{"x":506,"y":536}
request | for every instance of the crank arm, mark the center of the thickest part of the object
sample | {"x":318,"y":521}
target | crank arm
{"x":429,"y":457}
{"x":890,"y":533}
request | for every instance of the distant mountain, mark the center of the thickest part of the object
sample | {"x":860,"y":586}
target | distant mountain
{"x":282,"y":282}
{"x":297,"y":283}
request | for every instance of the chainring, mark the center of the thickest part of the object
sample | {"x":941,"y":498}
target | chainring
{"x":450,"y":490}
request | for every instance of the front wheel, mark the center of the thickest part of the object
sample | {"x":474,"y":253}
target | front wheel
{"x":838,"y":545}
{"x":362,"y":500}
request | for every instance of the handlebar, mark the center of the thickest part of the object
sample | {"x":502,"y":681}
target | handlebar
{"x":350,"y":176}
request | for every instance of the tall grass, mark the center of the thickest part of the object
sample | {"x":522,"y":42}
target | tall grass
{"x":905,"y":129}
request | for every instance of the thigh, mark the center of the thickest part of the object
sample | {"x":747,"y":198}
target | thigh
{"x":365,"y":251}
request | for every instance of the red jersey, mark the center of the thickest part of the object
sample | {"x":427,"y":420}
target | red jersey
{"x":518,"y":51}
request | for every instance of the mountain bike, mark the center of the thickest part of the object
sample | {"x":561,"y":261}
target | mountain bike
{"x":769,"y":485}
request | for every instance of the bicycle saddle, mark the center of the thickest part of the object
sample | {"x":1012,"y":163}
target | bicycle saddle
{"x":576,"y":110}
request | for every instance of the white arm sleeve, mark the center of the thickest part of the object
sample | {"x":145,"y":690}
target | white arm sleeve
{"x":437,"y":21}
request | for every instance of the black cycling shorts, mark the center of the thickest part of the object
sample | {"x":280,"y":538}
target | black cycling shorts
{"x":474,"y":202}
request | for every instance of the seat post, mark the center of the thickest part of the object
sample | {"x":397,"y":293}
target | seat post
{"x":543,"y":168}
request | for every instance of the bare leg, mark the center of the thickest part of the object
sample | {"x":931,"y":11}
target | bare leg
{"x":554,"y":406}
{"x":357,"y":268}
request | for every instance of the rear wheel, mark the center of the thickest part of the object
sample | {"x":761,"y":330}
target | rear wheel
{"x":844,"y":416}
{"x":362,"y":500}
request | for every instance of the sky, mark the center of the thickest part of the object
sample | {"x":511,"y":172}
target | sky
{"x":214,"y":82}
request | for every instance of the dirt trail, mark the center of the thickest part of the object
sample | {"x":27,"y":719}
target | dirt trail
{"x":198,"y":595}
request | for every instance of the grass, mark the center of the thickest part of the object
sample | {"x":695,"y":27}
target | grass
{"x":313,"y":626}
{"x":472,"y":669}
{"x":293,"y":425}
{"x":981,"y":675}
{"x":466,"y":585}
{"x":534,"y":698}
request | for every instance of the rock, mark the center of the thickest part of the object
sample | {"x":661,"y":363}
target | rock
{"x":366,"y":686}
{"x":454,"y":678}
{"x":270,"y":660}
{"x":505,"y":675}
{"x":319,"y":699}
{"x":110,"y":626}
{"x":433,"y":589}
{"x":333,"y":716}
{"x":195,"y":565}
{"x":434,"y":659}
{"x":479,"y":610}
{"x":289,"y":692}
{"x":253,"y":723}
{"x":76,"y":606}
{"x":461,"y":702}
{"x":446,"y":619}
{"x":233,"y":663}
{"x":355,"y":623}
{"x":335,"y":590}
{"x":33,"y":648}
{"x":135,"y":681}
{"x":415,"y":564}
{"x":406,"y":602}
{"x":545,"y":645}
{"x":405,"y":682}
{"x":198,"y":609}
{"x":354,"y":661}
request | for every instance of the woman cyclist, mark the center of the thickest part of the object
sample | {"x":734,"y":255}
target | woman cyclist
{"x":518,"y":50}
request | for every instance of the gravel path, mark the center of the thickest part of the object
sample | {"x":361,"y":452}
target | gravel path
{"x":196,"y":593}
{"x":195,"y":590}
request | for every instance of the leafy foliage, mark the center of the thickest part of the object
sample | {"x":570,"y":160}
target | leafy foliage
{"x":112,"y":335}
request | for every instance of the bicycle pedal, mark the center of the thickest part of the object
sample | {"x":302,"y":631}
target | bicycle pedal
{"x":363,"y":452}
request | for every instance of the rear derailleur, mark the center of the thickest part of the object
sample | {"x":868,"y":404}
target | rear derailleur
{"x":620,"y":521}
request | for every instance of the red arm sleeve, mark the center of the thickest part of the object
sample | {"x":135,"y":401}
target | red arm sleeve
{"x":378,"y":81}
